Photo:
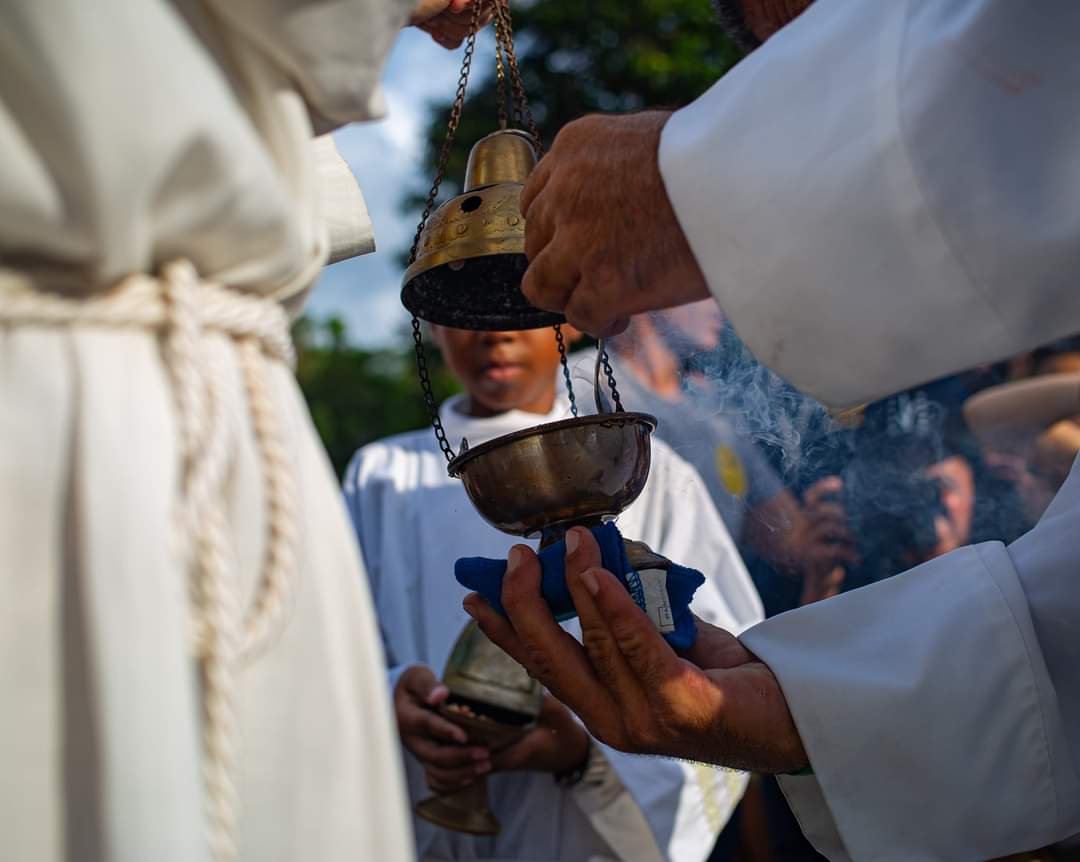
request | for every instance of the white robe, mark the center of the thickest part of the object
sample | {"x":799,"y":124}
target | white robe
{"x":126,"y":144}
{"x":882,"y":194}
{"x":414,"y":521}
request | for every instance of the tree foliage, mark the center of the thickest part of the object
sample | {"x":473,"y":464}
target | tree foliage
{"x":356,"y":395}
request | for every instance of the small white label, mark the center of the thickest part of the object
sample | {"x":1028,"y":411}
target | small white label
{"x":657,"y":606}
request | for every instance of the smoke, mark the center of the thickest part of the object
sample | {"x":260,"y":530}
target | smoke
{"x":891,"y":501}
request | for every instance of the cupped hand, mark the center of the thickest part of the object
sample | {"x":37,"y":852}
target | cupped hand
{"x":601,"y":236}
{"x":718,"y":703}
{"x":558,"y":743}
{"x":442,"y":748}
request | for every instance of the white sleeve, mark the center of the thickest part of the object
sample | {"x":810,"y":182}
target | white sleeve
{"x":332,"y":50}
{"x":940,"y":708}
{"x":377,"y":515}
{"x":885,"y":193}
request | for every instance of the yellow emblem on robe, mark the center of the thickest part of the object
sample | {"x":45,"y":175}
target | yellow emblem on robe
{"x":731,"y":471}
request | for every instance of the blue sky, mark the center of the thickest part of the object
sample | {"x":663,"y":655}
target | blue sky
{"x":385,"y":156}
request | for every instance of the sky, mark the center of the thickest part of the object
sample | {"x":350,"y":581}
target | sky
{"x":386,"y":158}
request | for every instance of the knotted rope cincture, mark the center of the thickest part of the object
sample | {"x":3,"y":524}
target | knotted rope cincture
{"x":184,"y":309}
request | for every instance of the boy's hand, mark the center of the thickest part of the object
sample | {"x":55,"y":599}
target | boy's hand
{"x":440,"y":745}
{"x":557,"y":744}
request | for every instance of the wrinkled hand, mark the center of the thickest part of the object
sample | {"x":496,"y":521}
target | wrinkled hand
{"x":718,"y":703}
{"x":440,"y":745}
{"x":557,"y":744}
{"x":448,"y":21}
{"x":602,"y":239}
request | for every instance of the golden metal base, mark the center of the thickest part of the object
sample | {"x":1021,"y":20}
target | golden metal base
{"x":465,"y":810}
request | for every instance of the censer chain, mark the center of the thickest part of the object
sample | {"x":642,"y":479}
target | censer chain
{"x":429,"y":205}
{"x":565,"y":369}
{"x":523,"y":117}
{"x":609,"y":372}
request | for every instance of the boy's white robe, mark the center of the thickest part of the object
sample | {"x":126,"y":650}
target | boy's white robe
{"x":884,"y":193}
{"x":414,"y":521}
{"x":133,"y":134}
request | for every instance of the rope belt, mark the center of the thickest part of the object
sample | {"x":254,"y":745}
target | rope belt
{"x":183,"y":309}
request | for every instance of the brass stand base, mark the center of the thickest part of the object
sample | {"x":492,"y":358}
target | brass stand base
{"x":463,"y":811}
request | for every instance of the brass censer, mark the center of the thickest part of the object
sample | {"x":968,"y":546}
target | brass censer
{"x":465,"y":269}
{"x":496,"y":703}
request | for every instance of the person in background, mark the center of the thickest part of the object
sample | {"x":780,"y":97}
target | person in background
{"x":1030,"y":426}
{"x":559,"y":794}
{"x":805,"y":541}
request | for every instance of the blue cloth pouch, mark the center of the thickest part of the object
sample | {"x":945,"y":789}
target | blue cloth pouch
{"x":664,"y":594}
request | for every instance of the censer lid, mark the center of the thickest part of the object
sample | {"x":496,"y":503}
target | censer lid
{"x":471,"y":253}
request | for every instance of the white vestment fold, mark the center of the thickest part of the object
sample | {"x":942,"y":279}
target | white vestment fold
{"x":882,"y":194}
{"x":414,"y":521}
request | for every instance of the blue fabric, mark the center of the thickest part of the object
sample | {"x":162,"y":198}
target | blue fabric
{"x":485,"y":576}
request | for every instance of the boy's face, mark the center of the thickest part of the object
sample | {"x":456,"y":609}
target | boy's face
{"x":503,"y":370}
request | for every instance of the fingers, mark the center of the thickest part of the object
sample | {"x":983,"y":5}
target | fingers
{"x":550,"y":280}
{"x":606,"y":634}
{"x":419,"y":722}
{"x":448,"y":780}
{"x":498,"y":629}
{"x":423,"y":686}
{"x":552,"y":655}
{"x":450,"y":25}
{"x":582,"y":550}
{"x":825,"y":511}
{"x":533,"y":186}
{"x":539,"y":232}
{"x":830,"y":485}
{"x":434,"y":754}
{"x":589,"y":305}
{"x":715,"y":647}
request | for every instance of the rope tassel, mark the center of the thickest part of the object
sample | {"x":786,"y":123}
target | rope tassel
{"x":184,"y":309}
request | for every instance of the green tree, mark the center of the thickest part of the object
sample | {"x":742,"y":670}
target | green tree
{"x":356,"y":395}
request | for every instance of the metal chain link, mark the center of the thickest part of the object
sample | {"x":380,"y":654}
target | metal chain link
{"x":429,"y":396}
{"x":609,"y":372}
{"x":523,"y":116}
{"x":522,"y":112}
{"x":500,"y":73}
{"x":429,"y":205}
{"x":451,"y":128}
{"x":565,"y":368}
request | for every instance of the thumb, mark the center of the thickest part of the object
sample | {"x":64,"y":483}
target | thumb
{"x":424,"y":686}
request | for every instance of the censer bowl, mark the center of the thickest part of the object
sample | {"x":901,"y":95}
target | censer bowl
{"x":541,"y":480}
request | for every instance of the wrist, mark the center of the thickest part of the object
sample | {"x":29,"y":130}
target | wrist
{"x":572,"y":775}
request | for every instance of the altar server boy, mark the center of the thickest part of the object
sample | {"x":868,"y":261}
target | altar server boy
{"x":558,"y":794}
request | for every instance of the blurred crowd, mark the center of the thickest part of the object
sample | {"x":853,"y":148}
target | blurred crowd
{"x":821,"y":503}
